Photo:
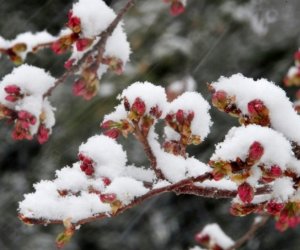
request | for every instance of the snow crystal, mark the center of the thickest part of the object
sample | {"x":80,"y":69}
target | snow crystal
{"x":109,"y":156}
{"x":161,"y":184}
{"x":283,"y":188}
{"x":281,"y":109}
{"x":151,"y":94}
{"x":217,"y":235}
{"x":193,"y":101}
{"x":126,"y":189}
{"x":277,"y":149}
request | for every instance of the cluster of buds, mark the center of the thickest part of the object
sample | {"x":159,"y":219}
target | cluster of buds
{"x":115,"y":64}
{"x":86,"y":164}
{"x":137,"y":114}
{"x":177,"y":7}
{"x":14,"y":53}
{"x":64,"y":43}
{"x":287,"y":216}
{"x":181,"y":121}
{"x":114,"y":129}
{"x":13,"y":93}
{"x":87,"y":85}
{"x":293,"y":76}
{"x":222,"y":101}
{"x":240,"y":170}
{"x":23,"y":121}
{"x":258,"y":113}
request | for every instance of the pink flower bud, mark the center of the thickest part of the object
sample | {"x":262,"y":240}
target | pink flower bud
{"x":112,"y":133}
{"x":190,"y":116}
{"x":108,"y":198}
{"x":83,"y":43}
{"x":276,"y":171}
{"x":126,"y":104}
{"x":89,"y":170}
{"x":107,"y":124}
{"x":12,"y":89}
{"x":177,"y":8}
{"x":57,"y":48}
{"x":202,"y":239}
{"x":256,"y":106}
{"x":78,"y":88}
{"x":180,"y":116}
{"x":156,"y":112}
{"x":297,"y":55}
{"x":256,"y":151}
{"x":43,"y":134}
{"x":106,"y":181}
{"x":219,"y":99}
{"x":74,"y":23}
{"x":11,"y":98}
{"x":139,"y":106}
{"x":246,"y":192}
{"x":69,"y":63}
{"x":274,"y":207}
{"x":81,"y":157}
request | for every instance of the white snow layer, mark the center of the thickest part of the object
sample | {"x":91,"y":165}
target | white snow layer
{"x":277,"y":149}
{"x":280,"y":107}
{"x":109,"y":156}
{"x":217,"y":235}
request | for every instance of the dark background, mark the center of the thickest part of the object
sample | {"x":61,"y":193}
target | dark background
{"x":205,"y":42}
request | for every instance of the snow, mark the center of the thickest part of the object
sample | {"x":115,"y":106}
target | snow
{"x":280,"y":108}
{"x":140,"y":173}
{"x":193,"y":101}
{"x":221,"y":184}
{"x":32,"y":80}
{"x":117,"y":45}
{"x":151,"y":94}
{"x":277,"y":149}
{"x":72,"y":179}
{"x":217,"y":235}
{"x":48,"y":111}
{"x":126,"y":189}
{"x":109,"y":156}
{"x":283,"y":188}
{"x":94,"y":15}
{"x":118,"y":114}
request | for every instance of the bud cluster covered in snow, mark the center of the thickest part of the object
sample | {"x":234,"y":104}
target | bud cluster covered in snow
{"x":23,"y":102}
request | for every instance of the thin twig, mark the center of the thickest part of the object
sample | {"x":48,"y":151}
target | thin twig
{"x":147,"y":148}
{"x":256,"y":225}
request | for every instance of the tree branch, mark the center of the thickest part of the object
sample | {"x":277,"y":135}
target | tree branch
{"x":100,"y":46}
{"x":258,"y":222}
{"x":176,"y":188}
{"x":147,"y":148}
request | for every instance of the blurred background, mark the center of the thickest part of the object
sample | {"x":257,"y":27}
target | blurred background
{"x":212,"y":38}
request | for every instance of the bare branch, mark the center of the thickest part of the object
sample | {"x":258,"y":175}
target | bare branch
{"x":258,"y":222}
